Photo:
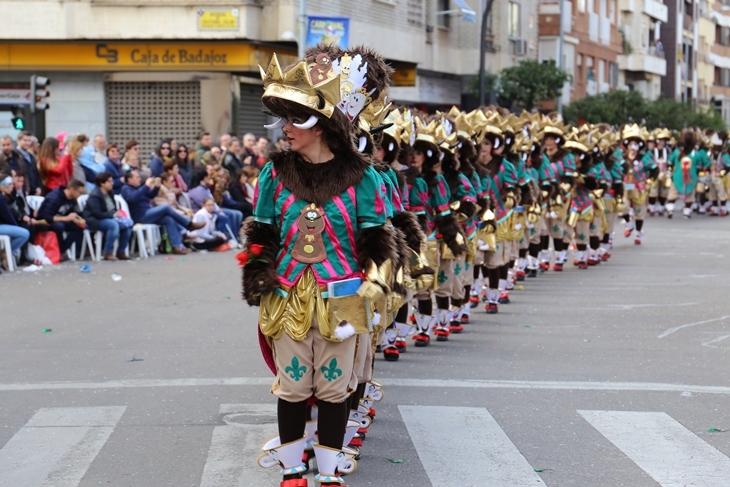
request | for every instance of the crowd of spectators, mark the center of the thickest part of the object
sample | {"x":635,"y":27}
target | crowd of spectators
{"x":199,"y":197}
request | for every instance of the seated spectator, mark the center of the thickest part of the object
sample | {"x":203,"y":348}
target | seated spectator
{"x":226,"y":217}
{"x":261,"y":151}
{"x":130,"y":161}
{"x":55,"y":171}
{"x":221,"y":178}
{"x":60,"y":211}
{"x":208,"y":236}
{"x":202,"y":146}
{"x":166,"y":196}
{"x":73,"y":151}
{"x":113,"y":166}
{"x":173,"y":170}
{"x":163,"y":154}
{"x":239,"y":192}
{"x":100,"y":150}
{"x":8,"y":224}
{"x":101,"y":215}
{"x":231,"y":161}
{"x":88,"y":161}
{"x":26,"y":149}
{"x":20,"y":208}
{"x":138,"y":196}
{"x":184,"y":164}
{"x":224,"y":142}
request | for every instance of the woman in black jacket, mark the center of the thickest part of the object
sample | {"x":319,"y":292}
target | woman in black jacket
{"x":101,"y":215}
{"x":237,"y":190}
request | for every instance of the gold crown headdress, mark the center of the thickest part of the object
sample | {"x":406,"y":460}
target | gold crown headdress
{"x":478,"y":122}
{"x":296,"y":86}
{"x":632,"y":132}
{"x":662,"y":133}
{"x":427,"y":133}
{"x":578,"y":141}
{"x":395,"y":130}
{"x":554,"y":127}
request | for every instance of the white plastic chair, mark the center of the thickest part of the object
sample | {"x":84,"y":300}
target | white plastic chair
{"x":35,"y":202}
{"x":5,"y":244}
{"x":139,"y":231}
{"x":95,"y":252}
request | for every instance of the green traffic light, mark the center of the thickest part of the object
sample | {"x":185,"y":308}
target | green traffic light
{"x":18,"y":123}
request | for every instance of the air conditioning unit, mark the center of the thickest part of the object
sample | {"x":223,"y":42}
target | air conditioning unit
{"x":520,"y":47}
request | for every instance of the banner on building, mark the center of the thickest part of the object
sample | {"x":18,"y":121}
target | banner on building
{"x":14,"y":96}
{"x":330,"y":30}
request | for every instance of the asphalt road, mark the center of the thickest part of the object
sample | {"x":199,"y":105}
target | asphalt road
{"x":610,"y":376}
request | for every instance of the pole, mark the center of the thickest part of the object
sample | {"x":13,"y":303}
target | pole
{"x":561,"y":63}
{"x":482,"y":50}
{"x":302,"y":27}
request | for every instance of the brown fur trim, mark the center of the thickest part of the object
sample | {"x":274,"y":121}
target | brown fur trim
{"x":448,"y":226}
{"x":468,"y":208}
{"x":467,"y":151}
{"x":423,"y":147}
{"x":403,"y":261}
{"x":317,"y":183}
{"x":333,"y":51}
{"x":259,"y":277}
{"x":379,"y":73}
{"x":377,"y":244}
{"x":407,"y":222}
{"x":423,"y":222}
{"x":405,"y":154}
{"x":385,"y":142}
{"x":369,"y":146}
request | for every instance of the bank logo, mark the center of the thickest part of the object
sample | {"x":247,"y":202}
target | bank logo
{"x":103,"y":52}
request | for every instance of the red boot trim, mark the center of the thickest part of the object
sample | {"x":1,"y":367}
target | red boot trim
{"x":464,"y":319}
{"x":558,"y":267}
{"x":294,"y":483}
{"x":456,"y":328}
{"x":421,"y":338}
{"x":441,"y":332}
{"x":356,"y":442}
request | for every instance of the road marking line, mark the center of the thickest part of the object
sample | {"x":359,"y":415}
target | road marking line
{"x":57,"y":446}
{"x":437,"y":383}
{"x":663,"y":448}
{"x":677,"y":328}
{"x":235,"y":448}
{"x":709,"y":344}
{"x":465,"y":446}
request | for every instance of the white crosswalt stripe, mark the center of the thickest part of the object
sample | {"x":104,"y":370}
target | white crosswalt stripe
{"x":56,"y":446}
{"x":465,"y":446}
{"x":235,"y":448}
{"x":663,"y":448}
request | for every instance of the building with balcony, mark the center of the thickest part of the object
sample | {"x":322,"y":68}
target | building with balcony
{"x":145,"y":69}
{"x":642,"y":62}
{"x":591,"y":43}
{"x":680,"y":39}
{"x":719,"y":58}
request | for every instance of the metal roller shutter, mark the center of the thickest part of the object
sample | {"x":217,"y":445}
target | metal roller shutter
{"x":251,"y":118}
{"x":151,"y":111}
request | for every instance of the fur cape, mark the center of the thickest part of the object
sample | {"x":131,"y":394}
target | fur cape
{"x":452,"y":174}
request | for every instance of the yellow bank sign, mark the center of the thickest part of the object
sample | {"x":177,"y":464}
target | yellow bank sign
{"x":210,"y":56}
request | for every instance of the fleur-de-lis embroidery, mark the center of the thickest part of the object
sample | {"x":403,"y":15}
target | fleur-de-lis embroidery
{"x":331,"y":372}
{"x":442,"y":277}
{"x":295,"y":371}
{"x":457,"y":269}
{"x":467,"y":266}
{"x":582,"y":236}
{"x":556,"y":228}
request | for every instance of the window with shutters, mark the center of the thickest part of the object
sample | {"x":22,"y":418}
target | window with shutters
{"x":150,"y":111}
{"x":251,"y":116}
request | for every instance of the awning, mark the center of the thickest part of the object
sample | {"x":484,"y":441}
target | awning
{"x":467,"y":14}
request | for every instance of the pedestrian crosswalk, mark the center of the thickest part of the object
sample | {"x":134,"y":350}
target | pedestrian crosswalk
{"x":455,"y":445}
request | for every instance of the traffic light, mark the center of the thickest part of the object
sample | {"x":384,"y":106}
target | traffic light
{"x":18,"y":123}
{"x":39,"y":94}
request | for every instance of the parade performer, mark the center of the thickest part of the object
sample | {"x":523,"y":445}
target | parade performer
{"x":684,"y":163}
{"x":640,"y":172}
{"x":660,"y":189}
{"x":719,"y":175}
{"x":317,"y":258}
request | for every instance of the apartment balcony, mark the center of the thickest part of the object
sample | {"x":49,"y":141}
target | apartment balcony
{"x":651,"y":61}
{"x":656,"y":10}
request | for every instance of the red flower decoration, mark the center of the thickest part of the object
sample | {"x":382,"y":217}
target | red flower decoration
{"x":439,"y":236}
{"x":256,"y":249}
{"x":242,"y":258}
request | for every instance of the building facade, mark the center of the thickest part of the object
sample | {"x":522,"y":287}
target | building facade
{"x":591,"y":45}
{"x":145,"y":69}
{"x":642,"y":62}
{"x":680,"y":39}
{"x":718,"y":19}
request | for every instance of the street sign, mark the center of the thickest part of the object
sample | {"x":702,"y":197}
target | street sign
{"x":217,"y":19}
{"x":14,"y":96}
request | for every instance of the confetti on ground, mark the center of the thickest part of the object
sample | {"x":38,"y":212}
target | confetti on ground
{"x":47,"y":330}
{"x":135,"y":359}
{"x":527,"y":326}
{"x":393,"y":460}
{"x":520,"y":288}
{"x":540,"y":470}
{"x":169,"y":258}
{"x":716,"y":430}
{"x":182,"y":259}
{"x":228,"y":297}
{"x":116,"y":277}
{"x":86,"y":268}
{"x":78,"y":300}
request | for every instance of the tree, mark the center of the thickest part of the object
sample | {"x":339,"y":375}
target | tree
{"x":532,"y":81}
{"x":620,"y":106}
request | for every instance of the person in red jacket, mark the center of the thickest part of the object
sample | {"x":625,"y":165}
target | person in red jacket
{"x":55,"y":169}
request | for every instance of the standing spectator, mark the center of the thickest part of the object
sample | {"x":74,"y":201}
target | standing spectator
{"x":26,"y":142}
{"x":248,"y":155}
{"x":61,"y":138}
{"x":10,"y":159}
{"x":184,"y":164}
{"x":60,"y":211}
{"x":231,"y":161}
{"x":74,"y":149}
{"x":173,"y":170}
{"x":209,"y":237}
{"x":162,"y":155}
{"x":113,"y":165}
{"x":100,"y":149}
{"x":202,"y":146}
{"x":138,"y":196}
{"x":55,"y":170}
{"x":224,"y":143}
{"x":166,"y":196}
{"x":101,"y":215}
{"x":261,"y":151}
{"x":8,"y":224}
